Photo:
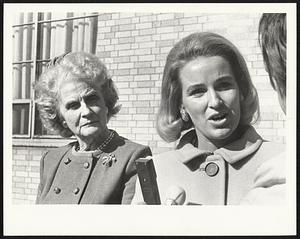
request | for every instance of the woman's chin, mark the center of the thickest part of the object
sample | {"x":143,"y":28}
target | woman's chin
{"x":90,"y":132}
{"x":222,"y":134}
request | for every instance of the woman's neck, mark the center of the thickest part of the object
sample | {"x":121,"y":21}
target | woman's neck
{"x":214,"y":144}
{"x":92,"y":143}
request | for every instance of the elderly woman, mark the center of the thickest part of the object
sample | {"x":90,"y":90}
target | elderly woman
{"x":76,"y":97}
{"x":207,"y":88}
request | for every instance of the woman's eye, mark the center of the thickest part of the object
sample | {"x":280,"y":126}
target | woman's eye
{"x":92,"y":98}
{"x":224,"y":86}
{"x":73,"y":105}
{"x":198,"y":92}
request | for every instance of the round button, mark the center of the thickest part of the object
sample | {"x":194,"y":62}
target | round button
{"x":57,"y":190}
{"x":67,"y":161}
{"x":86,"y":165}
{"x":211,"y":169}
{"x":76,"y":190}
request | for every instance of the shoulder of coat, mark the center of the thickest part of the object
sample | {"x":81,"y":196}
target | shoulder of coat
{"x":56,"y":154}
{"x":61,"y":148}
{"x":167,"y":158}
{"x":272,"y":147}
{"x":130,"y":145}
{"x":269,"y":150}
{"x":134,"y":144}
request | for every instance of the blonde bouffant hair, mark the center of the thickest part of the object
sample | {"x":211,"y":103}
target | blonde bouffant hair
{"x":169,"y":123}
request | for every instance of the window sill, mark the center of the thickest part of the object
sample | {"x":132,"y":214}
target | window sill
{"x":41,"y":142}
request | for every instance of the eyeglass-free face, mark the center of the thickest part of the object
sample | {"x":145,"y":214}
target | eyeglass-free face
{"x":211,"y":97}
{"x":83,"y":108}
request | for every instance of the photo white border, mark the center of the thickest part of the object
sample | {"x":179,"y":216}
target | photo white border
{"x":151,"y":220}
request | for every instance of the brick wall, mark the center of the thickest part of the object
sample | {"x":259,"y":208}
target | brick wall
{"x":134,"y":47}
{"x":26,"y":173}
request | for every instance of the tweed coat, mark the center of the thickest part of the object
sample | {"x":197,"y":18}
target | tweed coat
{"x":223,"y":177}
{"x":98,"y":177}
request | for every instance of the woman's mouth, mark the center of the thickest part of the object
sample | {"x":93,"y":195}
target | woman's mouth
{"x":89,"y":123}
{"x":218,"y":120}
{"x":218,"y":117}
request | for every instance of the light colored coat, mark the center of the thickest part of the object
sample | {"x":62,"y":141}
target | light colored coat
{"x":223,"y":177}
{"x":69,"y":177}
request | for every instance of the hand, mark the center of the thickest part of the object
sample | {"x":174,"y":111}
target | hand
{"x":175,"y":196}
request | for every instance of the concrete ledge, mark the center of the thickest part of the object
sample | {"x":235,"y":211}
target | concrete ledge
{"x":41,"y":142}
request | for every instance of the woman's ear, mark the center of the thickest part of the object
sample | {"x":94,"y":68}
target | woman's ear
{"x":108,"y":114}
{"x":184,"y":114}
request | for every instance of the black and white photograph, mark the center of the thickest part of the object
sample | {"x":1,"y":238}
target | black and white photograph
{"x":158,"y":119}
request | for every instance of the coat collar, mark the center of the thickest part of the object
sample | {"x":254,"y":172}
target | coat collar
{"x":232,"y":153}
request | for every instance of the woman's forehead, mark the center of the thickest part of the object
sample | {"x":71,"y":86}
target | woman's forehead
{"x":207,"y":67}
{"x":79,"y":86}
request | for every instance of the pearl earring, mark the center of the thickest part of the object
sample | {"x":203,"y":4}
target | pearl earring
{"x":184,"y":115}
{"x":64,"y":123}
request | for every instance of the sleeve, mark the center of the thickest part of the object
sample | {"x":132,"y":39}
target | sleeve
{"x":274,"y":195}
{"x":41,"y":184}
{"x":131,"y":173}
{"x":269,"y":183}
{"x":271,"y":172}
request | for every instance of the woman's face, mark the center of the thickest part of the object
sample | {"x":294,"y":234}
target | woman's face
{"x":211,"y":97}
{"x":83,"y":108}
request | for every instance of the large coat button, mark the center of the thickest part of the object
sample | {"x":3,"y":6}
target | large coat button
{"x":86,"y":165}
{"x":76,"y":190}
{"x":211,"y":169}
{"x":57,"y":190}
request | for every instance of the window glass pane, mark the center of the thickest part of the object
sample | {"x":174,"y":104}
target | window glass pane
{"x":44,"y":34}
{"x":22,"y":74}
{"x":21,"y":119}
{"x":39,"y":129}
{"x":23,"y":48}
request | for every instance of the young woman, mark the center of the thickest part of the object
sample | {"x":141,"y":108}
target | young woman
{"x":207,"y":88}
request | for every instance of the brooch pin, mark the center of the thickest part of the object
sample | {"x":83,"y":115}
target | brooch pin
{"x":108,"y":160}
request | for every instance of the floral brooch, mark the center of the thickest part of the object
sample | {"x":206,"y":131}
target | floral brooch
{"x":108,"y":160}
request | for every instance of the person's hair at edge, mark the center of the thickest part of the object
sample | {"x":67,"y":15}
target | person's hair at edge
{"x":272,"y":39}
{"x":80,"y":66}
{"x":169,"y":124}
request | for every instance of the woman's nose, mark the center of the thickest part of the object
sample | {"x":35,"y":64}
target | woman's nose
{"x":214,"y":100}
{"x":85,"y":109}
